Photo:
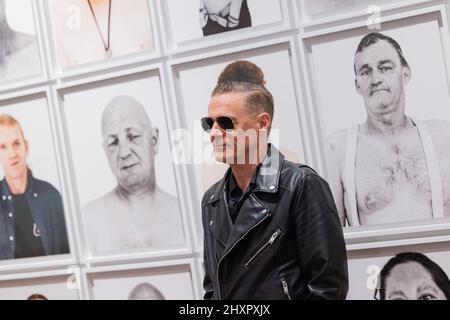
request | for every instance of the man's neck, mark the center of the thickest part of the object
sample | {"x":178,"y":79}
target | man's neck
{"x":243,"y":173}
{"x":388,"y":124}
{"x":142,"y":194}
{"x":18,"y":185}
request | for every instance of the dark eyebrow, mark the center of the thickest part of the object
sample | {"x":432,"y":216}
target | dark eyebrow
{"x":132,"y":128}
{"x":425,"y":287}
{"x":386,"y":61}
{"x":364,"y":66}
{"x":397,"y":292}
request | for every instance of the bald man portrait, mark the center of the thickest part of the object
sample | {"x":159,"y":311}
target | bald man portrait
{"x":136,"y":214}
{"x":145,"y":291}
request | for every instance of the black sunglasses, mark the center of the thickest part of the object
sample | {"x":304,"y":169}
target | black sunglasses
{"x":226,"y":123}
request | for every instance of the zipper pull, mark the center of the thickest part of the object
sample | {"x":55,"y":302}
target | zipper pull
{"x":274,"y":236}
{"x":285,"y":288}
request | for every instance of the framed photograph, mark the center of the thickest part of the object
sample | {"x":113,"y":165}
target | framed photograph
{"x":33,"y":218}
{"x":173,"y":281}
{"x":411,"y":271}
{"x":112,"y":30}
{"x":120,"y":151}
{"x":201,"y":275}
{"x":383,"y":123}
{"x":275,"y":60}
{"x":20,"y":53}
{"x":321,"y":11}
{"x":189,"y":23}
{"x":47,"y":285}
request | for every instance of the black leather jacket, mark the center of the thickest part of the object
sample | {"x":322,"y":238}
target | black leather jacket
{"x":287,"y":241}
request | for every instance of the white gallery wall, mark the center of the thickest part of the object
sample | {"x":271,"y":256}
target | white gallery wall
{"x":306,"y":50}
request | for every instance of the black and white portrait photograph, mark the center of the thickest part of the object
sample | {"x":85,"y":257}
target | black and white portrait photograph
{"x":193,"y":19}
{"x":384,"y":105}
{"x":218,"y":16}
{"x":121,"y":151}
{"x":159,"y":283}
{"x":32,"y":216}
{"x":286,"y":132}
{"x":40,"y":288}
{"x":415,"y":272}
{"x":96,"y":30}
{"x":324,"y":8}
{"x":19,"y":50}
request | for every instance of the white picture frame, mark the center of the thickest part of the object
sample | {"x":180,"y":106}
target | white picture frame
{"x":365,"y":266}
{"x":175,"y":280}
{"x":432,"y":17}
{"x":186,"y":34}
{"x":61,"y":284}
{"x":143,"y":84}
{"x":45,"y":149}
{"x":192,"y":101}
{"x":34,"y":66}
{"x":59,"y":70}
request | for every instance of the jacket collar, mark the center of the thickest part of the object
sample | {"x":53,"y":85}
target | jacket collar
{"x":5,"y":192}
{"x":267,"y":179}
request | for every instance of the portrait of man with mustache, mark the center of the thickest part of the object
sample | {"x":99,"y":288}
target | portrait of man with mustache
{"x":391,"y":168}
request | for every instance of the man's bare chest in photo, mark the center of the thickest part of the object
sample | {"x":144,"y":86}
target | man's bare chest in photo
{"x":392,"y":178}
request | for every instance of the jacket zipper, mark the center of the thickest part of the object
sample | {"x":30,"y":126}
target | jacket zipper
{"x":285,"y":288}
{"x":218,"y":267}
{"x":264,"y":247}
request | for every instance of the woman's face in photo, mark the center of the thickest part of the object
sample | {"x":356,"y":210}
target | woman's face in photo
{"x":411,"y":281}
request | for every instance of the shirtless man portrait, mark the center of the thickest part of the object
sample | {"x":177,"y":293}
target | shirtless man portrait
{"x":93,"y":30}
{"x":392,"y":168}
{"x":136,"y":214}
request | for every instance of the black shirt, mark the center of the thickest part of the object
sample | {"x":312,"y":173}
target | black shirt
{"x":28,"y":241}
{"x":236,"y":196}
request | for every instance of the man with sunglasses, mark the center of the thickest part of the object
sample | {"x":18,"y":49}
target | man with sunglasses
{"x":271,"y":228}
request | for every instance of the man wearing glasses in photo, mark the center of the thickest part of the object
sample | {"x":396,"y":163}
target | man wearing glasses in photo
{"x":271,"y":228}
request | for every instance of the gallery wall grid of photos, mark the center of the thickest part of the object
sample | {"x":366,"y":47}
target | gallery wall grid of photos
{"x":59,"y":104}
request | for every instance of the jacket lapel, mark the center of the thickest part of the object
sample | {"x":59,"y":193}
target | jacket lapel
{"x":220,"y":221}
{"x":253,"y":211}
{"x":251,"y":214}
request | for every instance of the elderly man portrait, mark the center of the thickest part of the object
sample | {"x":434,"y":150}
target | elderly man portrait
{"x":136,"y":214}
{"x":271,"y":227}
{"x":32,"y":219}
{"x":393,"y":167}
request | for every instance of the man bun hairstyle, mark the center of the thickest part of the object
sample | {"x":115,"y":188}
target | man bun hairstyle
{"x":242,"y":71}
{"x":246,"y":77}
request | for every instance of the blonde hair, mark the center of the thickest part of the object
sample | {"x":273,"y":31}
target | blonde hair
{"x":7,"y":120}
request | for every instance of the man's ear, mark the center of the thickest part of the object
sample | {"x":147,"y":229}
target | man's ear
{"x":155,"y":139}
{"x":265,"y":121}
{"x":406,"y":75}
